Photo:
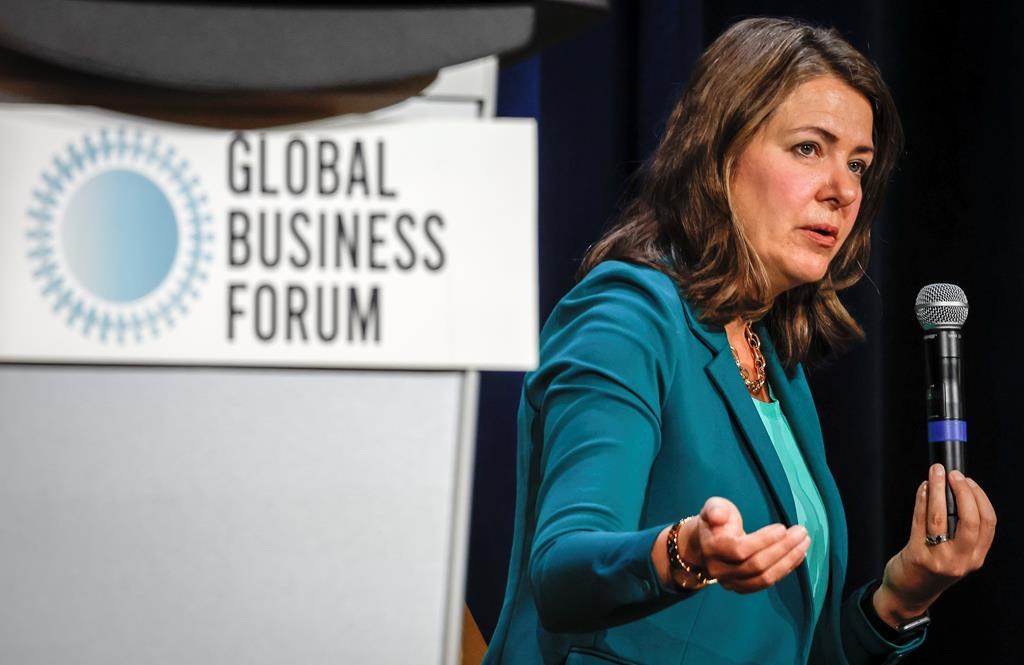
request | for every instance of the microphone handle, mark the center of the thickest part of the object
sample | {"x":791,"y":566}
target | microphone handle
{"x":947,"y":425}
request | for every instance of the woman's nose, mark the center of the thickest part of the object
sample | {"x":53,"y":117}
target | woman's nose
{"x":841,"y":187}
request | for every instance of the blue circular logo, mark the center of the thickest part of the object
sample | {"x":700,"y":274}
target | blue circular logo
{"x":119,"y":235}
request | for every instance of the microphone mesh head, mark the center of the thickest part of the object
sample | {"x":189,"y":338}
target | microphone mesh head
{"x":941,"y":306}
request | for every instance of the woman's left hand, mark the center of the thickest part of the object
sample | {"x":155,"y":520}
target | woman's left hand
{"x":919,"y":572}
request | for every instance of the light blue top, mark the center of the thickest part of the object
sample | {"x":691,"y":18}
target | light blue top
{"x":809,"y":507}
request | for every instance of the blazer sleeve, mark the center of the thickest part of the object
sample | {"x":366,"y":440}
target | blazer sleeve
{"x":606,"y":362}
{"x":862,"y":644}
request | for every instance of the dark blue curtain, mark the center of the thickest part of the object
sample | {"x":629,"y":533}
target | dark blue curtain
{"x":600,"y":100}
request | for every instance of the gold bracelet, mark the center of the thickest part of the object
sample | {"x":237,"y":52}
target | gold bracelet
{"x":676,"y":563}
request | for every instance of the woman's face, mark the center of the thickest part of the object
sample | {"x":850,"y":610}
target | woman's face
{"x":796,"y":187}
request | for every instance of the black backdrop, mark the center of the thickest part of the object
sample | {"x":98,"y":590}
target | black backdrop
{"x":951,"y":215}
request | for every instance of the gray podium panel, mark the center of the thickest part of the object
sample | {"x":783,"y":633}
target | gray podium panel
{"x":218,"y":516}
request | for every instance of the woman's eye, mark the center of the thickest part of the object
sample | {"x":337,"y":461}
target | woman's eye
{"x":858,"y":167}
{"x":807,"y":149}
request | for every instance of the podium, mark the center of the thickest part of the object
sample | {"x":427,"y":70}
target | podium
{"x":263,"y":454}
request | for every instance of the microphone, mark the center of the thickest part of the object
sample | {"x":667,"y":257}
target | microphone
{"x":942,"y":310}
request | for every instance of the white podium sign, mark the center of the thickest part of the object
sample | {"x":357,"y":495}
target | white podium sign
{"x":388,"y":245}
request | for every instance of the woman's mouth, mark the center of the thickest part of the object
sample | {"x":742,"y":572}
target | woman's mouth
{"x":823,"y":235}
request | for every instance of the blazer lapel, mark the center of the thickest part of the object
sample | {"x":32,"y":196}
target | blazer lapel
{"x":726,"y":378}
{"x":724,"y":374}
{"x":797,"y":403}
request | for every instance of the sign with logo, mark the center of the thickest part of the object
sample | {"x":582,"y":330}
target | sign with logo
{"x":383,"y":245}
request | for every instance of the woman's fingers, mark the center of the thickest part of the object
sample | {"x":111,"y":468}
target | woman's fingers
{"x":719,"y":528}
{"x":918,"y":529}
{"x":765,"y":558}
{"x":987,"y":515}
{"x":784,"y":566}
{"x":721,"y":513}
{"x":751,"y":556}
{"x":733,"y":549}
{"x":936,"y":523}
{"x":968,"y":517}
{"x":921,"y":572}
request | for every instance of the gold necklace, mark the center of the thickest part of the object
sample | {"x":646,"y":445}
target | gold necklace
{"x":756,"y":385}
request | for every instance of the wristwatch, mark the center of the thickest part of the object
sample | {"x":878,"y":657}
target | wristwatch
{"x":904,"y":632}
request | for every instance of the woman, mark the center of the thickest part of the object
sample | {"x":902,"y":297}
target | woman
{"x":670,"y":386}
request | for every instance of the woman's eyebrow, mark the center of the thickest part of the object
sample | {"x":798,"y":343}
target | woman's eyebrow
{"x":829,"y":137}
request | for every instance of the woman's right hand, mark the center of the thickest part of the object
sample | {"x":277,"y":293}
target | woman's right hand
{"x":742,"y":562}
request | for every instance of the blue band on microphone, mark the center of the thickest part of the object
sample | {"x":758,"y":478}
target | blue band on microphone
{"x":947,"y":430}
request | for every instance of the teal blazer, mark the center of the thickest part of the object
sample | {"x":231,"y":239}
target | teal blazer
{"x":634,"y":417}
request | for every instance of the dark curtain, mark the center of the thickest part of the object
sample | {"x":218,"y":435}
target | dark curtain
{"x":951,"y":215}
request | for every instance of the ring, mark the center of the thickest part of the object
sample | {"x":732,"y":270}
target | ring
{"x":936,"y":540}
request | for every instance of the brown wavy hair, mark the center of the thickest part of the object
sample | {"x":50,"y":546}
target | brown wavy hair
{"x":681,"y":222}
